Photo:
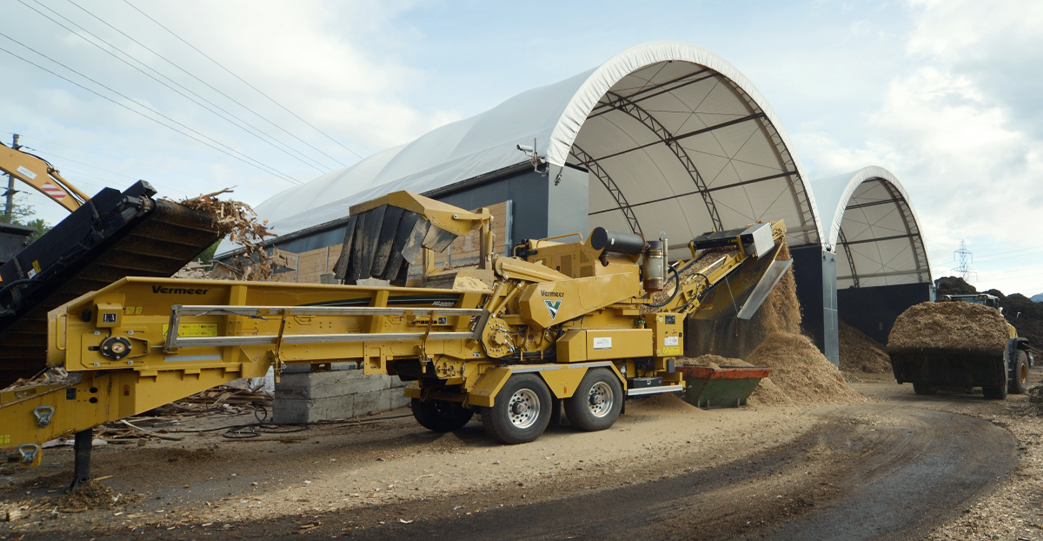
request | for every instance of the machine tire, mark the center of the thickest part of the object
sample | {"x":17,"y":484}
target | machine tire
{"x":923,"y":389}
{"x":994,"y":392}
{"x":597,"y":401}
{"x":1019,"y":377}
{"x":440,"y":415}
{"x":521,"y":410}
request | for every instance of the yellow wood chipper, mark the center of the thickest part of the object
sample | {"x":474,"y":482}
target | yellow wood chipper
{"x":582,"y":324}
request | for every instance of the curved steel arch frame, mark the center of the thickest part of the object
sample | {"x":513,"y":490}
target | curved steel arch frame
{"x":898,"y":197}
{"x":635,"y":111}
{"x":588,"y":161}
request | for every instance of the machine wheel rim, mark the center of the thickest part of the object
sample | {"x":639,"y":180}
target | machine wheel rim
{"x":600,"y":399}
{"x":523,"y":409}
{"x":1023,"y":373}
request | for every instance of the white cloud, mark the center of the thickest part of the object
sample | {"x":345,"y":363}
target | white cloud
{"x":339,"y":65}
{"x":972,"y":168}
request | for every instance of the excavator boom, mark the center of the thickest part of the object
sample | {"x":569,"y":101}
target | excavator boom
{"x":39,"y":174}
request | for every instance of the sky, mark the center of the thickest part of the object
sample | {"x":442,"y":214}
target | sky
{"x":198,"y":96}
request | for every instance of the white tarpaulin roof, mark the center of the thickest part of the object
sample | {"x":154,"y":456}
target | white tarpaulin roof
{"x":874,"y":229}
{"x":675,"y":138}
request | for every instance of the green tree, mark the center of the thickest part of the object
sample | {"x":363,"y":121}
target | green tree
{"x":19,"y":212}
{"x":208,"y":254}
{"x":22,"y":214}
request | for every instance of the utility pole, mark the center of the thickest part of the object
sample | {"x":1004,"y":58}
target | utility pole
{"x":9,"y":207}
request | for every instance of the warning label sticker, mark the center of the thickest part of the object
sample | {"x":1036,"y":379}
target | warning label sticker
{"x":193,"y":330}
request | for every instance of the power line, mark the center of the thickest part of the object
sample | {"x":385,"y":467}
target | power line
{"x":993,"y":257}
{"x":106,"y":181}
{"x":129,"y":160}
{"x":241,"y":79}
{"x":259,"y":115}
{"x":121,"y":158}
{"x":239,"y":122}
{"x":147,"y":75}
{"x":245,"y":159}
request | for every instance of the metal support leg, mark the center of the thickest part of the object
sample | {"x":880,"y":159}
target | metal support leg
{"x":82,"y":462}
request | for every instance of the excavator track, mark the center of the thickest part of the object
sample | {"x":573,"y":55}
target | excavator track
{"x":112,"y":236}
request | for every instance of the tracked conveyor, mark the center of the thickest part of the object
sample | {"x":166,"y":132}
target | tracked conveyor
{"x":112,"y":236}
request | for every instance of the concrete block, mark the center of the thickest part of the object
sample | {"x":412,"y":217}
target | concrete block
{"x":316,"y":385}
{"x":307,"y":397}
{"x":311,"y":411}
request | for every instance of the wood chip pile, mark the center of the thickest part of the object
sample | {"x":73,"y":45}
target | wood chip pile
{"x":801,"y":371}
{"x":711,"y":361}
{"x":949,"y":325}
{"x":238,"y":222}
{"x":860,"y":353}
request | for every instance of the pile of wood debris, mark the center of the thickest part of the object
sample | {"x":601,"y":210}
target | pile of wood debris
{"x":238,"y":222}
{"x":51,"y":376}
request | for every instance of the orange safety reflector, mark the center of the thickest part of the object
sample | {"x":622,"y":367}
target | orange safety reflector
{"x":126,"y":390}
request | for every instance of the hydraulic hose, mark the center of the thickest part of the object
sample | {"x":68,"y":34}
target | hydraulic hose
{"x":677,"y":288}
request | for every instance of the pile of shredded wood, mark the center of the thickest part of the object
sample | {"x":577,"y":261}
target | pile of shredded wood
{"x":860,"y":353}
{"x":949,"y":325}
{"x":801,"y":371}
{"x":711,"y":361}
{"x":238,"y":222}
{"x":194,"y":270}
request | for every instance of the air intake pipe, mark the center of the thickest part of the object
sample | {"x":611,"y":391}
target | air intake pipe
{"x":653,"y":268}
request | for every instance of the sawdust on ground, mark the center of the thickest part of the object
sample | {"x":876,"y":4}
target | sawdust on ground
{"x":860,"y":353}
{"x":94,"y":495}
{"x":949,"y":325}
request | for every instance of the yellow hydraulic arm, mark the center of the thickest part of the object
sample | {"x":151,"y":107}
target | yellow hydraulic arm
{"x":39,"y":174}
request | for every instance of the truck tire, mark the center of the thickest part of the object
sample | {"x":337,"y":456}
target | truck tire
{"x":995,"y":392}
{"x":1019,"y":377}
{"x":440,"y":415}
{"x":521,"y":410}
{"x":924,"y":389}
{"x":597,"y":402}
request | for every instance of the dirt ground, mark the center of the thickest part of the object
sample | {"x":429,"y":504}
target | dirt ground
{"x":348,"y":479}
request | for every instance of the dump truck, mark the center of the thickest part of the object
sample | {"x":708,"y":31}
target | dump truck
{"x":580,"y":325}
{"x":998,"y":371}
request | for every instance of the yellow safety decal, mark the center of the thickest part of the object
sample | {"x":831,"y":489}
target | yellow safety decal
{"x":136,"y":311}
{"x":36,"y":266}
{"x":5,"y":439}
{"x":672,"y":350}
{"x":193,"y":330}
